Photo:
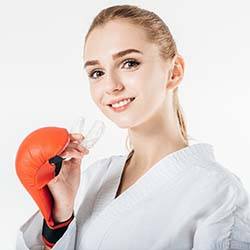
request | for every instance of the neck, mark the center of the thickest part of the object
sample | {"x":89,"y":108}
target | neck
{"x":153,"y":140}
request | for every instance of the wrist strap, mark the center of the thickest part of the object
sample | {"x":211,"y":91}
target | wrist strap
{"x":52,"y":235}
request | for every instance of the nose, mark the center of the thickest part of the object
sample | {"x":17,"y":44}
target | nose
{"x":113,"y":83}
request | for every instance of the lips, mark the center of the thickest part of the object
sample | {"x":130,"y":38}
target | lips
{"x":113,"y":102}
{"x":123,"y":107}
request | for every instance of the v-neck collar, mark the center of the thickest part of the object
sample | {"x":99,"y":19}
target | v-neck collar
{"x":124,"y":166}
{"x":164,"y":172}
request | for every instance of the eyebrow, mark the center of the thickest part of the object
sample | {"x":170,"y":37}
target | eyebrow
{"x":114,"y":56}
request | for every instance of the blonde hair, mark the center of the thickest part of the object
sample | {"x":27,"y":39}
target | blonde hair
{"x":157,"y":32}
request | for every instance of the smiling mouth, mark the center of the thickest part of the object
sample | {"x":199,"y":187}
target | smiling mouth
{"x":123,"y":107}
{"x":131,"y":100}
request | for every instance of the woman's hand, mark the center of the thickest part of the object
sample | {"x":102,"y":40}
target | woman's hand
{"x":65,"y":185}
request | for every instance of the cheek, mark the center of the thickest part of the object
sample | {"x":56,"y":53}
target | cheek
{"x":150,"y":83}
{"x":136,"y":82}
{"x":96,"y":95}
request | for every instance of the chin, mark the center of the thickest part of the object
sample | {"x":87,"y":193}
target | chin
{"x":122,"y":121}
{"x":122,"y":124}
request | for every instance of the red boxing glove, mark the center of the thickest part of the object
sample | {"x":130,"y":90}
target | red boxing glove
{"x":37,"y":163}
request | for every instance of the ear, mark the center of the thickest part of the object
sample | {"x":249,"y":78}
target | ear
{"x":176,"y":72}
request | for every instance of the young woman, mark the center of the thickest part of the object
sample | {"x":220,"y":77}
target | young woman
{"x":167,"y":192}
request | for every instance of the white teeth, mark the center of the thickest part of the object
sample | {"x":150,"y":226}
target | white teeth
{"x":119,"y":104}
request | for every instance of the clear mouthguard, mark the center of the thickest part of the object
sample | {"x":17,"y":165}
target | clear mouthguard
{"x":92,"y":134}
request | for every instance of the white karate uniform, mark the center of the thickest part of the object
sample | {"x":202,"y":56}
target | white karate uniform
{"x":187,"y":200}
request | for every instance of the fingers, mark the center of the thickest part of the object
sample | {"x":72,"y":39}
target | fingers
{"x":74,"y":150}
{"x":73,"y":153}
{"x":77,"y":146}
{"x":76,"y":137}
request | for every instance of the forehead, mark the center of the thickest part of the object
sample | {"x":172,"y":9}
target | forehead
{"x":113,"y":37}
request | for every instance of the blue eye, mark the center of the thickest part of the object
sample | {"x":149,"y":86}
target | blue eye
{"x":132,"y":62}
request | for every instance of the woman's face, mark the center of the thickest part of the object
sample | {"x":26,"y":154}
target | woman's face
{"x":141,"y":73}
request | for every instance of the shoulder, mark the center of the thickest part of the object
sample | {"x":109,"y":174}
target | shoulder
{"x":217,"y":172}
{"x":226,"y":219}
{"x":216,"y":185}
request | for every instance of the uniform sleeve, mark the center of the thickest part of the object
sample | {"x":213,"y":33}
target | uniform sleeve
{"x":228,"y":226}
{"x":29,"y":235}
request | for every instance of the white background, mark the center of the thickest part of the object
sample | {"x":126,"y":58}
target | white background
{"x":42,"y":83}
